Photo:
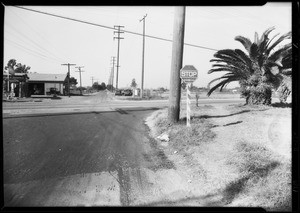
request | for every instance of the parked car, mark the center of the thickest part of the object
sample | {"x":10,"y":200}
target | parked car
{"x":127,"y":92}
{"x":118,"y":92}
{"x":53,"y":91}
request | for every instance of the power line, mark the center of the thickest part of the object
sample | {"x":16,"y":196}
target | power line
{"x":112,"y":28}
{"x":30,"y":51}
{"x":39,"y":33}
{"x":32,"y":43}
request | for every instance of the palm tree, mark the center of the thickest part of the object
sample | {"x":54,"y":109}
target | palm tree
{"x":258,"y":70}
{"x":14,"y":67}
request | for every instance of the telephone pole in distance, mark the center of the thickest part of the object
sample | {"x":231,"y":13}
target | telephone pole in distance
{"x":142,"y":84}
{"x":68,"y":64}
{"x":92,"y":78}
{"x":80,"y":71}
{"x":113,"y":58}
{"x":118,"y":27}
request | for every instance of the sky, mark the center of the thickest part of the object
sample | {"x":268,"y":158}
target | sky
{"x":45,"y":42}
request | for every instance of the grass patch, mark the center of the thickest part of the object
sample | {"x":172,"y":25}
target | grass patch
{"x":184,"y":139}
{"x":264,"y":178}
{"x":238,"y":171}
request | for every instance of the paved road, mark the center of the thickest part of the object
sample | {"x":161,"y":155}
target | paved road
{"x":75,"y":159}
{"x":55,"y":155}
{"x":97,"y":103}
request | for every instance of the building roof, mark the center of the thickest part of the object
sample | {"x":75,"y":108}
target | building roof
{"x":46,"y":77}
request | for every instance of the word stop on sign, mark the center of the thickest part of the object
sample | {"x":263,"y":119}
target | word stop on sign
{"x":189,"y":74}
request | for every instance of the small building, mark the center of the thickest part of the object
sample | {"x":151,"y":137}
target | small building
{"x":40,"y":84}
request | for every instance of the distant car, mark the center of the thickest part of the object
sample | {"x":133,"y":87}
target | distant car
{"x":127,"y":92}
{"x":118,"y":92}
{"x":53,"y":91}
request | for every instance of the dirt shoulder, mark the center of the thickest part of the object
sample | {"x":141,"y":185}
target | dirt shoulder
{"x":232,"y":155}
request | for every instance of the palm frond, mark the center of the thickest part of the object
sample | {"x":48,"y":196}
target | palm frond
{"x":242,"y":55}
{"x":217,"y":60}
{"x":220,"y":84}
{"x":287,"y":71}
{"x":282,"y":52}
{"x":280,"y":39}
{"x":264,"y":39}
{"x":230,"y":56}
{"x":254,"y":52}
{"x":256,"y":39}
{"x":246,"y":42}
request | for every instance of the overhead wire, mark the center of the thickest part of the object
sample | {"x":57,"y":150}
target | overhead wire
{"x":30,"y":51}
{"x":33,"y":45}
{"x":25,"y":42}
{"x":111,"y":28}
{"x":40,"y":35}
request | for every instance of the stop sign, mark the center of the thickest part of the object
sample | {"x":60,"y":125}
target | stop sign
{"x":188,"y":73}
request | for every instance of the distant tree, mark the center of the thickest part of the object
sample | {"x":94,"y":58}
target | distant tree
{"x":133,"y":83}
{"x":14,"y":67}
{"x":95,"y":86}
{"x":21,"y":68}
{"x":161,"y":89}
{"x":83,"y":88}
{"x":73,"y":81}
{"x":103,"y":86}
{"x":109,"y":87}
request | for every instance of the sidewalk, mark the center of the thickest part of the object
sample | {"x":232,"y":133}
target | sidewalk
{"x":22,"y":100}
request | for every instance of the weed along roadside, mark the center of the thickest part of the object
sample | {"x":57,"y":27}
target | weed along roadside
{"x":230,"y":156}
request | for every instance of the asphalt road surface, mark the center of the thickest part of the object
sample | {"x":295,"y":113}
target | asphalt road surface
{"x":87,"y":153}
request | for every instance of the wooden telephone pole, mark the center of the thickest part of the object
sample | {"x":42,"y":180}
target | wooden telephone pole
{"x":92,"y":78}
{"x":118,"y":37}
{"x":142,"y":85}
{"x":176,"y":64}
{"x":69,"y":76}
{"x":80,"y":71}
{"x":113,"y":72}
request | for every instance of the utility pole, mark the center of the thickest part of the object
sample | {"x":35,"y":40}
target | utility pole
{"x":68,"y":64}
{"x":118,"y":27}
{"x":113,"y":72}
{"x":80,"y":71}
{"x":176,"y":64}
{"x":142,"y":85}
{"x":93,"y":80}
{"x":109,"y":78}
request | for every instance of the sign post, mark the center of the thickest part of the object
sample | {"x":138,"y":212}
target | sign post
{"x":188,"y":74}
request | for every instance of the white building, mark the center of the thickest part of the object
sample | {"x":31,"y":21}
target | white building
{"x":40,"y":84}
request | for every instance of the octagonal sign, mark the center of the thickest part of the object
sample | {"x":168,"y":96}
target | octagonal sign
{"x":188,"y":73}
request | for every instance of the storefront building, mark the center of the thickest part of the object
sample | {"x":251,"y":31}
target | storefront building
{"x":41,"y":84}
